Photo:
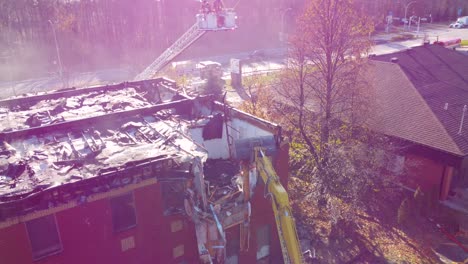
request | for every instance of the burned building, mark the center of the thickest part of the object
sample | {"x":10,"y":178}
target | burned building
{"x":134,"y":173}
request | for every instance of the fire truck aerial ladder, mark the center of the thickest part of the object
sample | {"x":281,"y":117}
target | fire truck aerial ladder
{"x":209,"y":20}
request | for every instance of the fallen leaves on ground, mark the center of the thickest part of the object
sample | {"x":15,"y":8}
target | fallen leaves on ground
{"x":365,"y":239}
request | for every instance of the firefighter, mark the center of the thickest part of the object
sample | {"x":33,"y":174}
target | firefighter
{"x":205,"y":7}
{"x":217,"y":6}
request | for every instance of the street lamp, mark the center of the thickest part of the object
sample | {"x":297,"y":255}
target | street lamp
{"x":282,"y":34}
{"x":406,"y":9}
{"x":58,"y":52}
{"x":10,"y":55}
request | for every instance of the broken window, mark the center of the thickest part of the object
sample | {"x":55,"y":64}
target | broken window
{"x":43,"y":236}
{"x":173,"y":193}
{"x":263,"y":242}
{"x":123,"y":212}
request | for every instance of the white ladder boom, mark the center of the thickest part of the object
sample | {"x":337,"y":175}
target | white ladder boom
{"x":169,"y":54}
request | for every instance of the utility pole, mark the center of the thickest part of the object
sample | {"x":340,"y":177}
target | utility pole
{"x":57,"y":49}
{"x":10,"y":55}
{"x":282,"y":33}
{"x":406,"y":10}
{"x":419,"y":23}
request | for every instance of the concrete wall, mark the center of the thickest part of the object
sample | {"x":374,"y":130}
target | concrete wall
{"x":238,"y":129}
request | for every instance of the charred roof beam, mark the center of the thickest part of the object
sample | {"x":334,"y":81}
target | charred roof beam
{"x":91,"y":121}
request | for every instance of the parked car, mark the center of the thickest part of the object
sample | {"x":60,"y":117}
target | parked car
{"x":460,"y":23}
{"x":257,"y":55}
{"x":456,"y":25}
{"x":209,"y":69}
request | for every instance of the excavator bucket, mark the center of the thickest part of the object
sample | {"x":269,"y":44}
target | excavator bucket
{"x":244,"y":148}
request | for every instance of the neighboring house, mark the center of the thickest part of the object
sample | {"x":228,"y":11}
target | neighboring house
{"x":421,"y":99}
{"x":132,"y":173}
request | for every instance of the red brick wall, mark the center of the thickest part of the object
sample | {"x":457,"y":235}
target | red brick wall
{"x":262,"y":214}
{"x":87,"y":235}
{"x":14,"y":245}
{"x":281,"y":164}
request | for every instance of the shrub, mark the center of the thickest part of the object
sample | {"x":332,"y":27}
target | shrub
{"x":214,"y":86}
{"x":404,"y":211}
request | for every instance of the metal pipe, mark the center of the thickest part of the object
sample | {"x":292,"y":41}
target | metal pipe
{"x":419,"y":23}
{"x":282,"y":22}
{"x":462,"y":119}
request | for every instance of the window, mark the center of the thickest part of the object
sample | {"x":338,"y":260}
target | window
{"x":173,"y":194}
{"x":396,"y":164}
{"x":44,"y":237}
{"x":123,"y":212}
{"x":178,"y":251}
{"x":177,"y":226}
{"x":263,"y":242}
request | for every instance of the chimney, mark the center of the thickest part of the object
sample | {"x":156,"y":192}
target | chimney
{"x":394,"y":60}
{"x":462,"y":119}
{"x":446,"y":106}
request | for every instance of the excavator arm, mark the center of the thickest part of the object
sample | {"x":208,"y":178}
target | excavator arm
{"x":281,"y":208}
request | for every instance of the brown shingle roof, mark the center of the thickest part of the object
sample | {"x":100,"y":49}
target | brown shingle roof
{"x":400,"y":111}
{"x":429,"y":79}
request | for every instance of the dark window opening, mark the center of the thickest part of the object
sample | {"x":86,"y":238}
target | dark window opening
{"x":173,"y":197}
{"x":123,"y":212}
{"x":44,"y":237}
{"x":263,"y":243}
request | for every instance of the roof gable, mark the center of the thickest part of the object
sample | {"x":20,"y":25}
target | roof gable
{"x":400,"y":111}
{"x":440,"y":76}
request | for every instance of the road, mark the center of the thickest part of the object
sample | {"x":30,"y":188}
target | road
{"x":109,"y":76}
{"x":273,"y":62}
{"x":432,"y":32}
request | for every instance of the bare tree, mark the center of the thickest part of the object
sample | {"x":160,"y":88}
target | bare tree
{"x":258,"y":88}
{"x":325,"y":101}
{"x":322,"y":79}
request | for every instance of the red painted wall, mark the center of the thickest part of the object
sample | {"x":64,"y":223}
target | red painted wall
{"x":424,"y":172}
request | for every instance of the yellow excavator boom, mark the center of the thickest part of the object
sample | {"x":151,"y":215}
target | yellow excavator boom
{"x":281,"y":208}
